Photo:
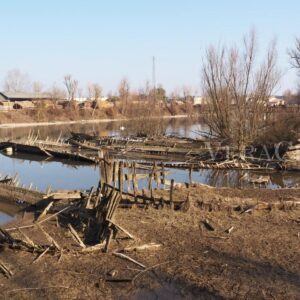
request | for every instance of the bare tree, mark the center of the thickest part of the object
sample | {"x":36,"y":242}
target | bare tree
{"x":16,"y":81}
{"x":124,"y":91}
{"x":295,"y":55}
{"x":186,"y":92}
{"x":71,"y":86}
{"x":57,"y":93}
{"x":237,"y":89}
{"x":94,"y":91}
{"x":37,"y":87}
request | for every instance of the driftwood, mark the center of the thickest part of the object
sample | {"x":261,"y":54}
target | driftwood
{"x":60,"y":195}
{"x":50,"y":239}
{"x":57,"y":213}
{"x":76,"y":236}
{"x":28,"y":240}
{"x":96,"y":247}
{"x":122,"y":229}
{"x":228,"y":230}
{"x":41,"y":255}
{"x":44,"y":212}
{"x":150,"y":246}
{"x":123,"y":256}
{"x":149,"y":269}
{"x":18,"y":244}
{"x":5,"y":270}
{"x":208,"y":225}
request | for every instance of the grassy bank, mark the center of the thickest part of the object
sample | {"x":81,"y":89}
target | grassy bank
{"x":73,"y":115}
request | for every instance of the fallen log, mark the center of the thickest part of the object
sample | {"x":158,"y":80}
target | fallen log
{"x":150,"y":246}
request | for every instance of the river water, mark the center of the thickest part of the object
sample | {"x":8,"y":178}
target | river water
{"x":43,"y":173}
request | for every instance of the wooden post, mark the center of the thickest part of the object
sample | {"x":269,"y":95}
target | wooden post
{"x":162,"y":173}
{"x":144,"y":194}
{"x":116,"y":171}
{"x":48,"y":190}
{"x":134,"y":186}
{"x":121,"y":177}
{"x":114,"y":175}
{"x":190,"y":175}
{"x":171,"y":194}
{"x":127,"y":176}
{"x":155,"y":174}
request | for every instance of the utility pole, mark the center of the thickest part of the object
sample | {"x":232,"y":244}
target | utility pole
{"x":153,"y":78}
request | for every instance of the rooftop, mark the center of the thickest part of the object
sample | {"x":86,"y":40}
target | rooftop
{"x":22,"y":95}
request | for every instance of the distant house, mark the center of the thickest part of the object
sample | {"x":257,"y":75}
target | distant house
{"x":276,"y":101}
{"x":22,"y":96}
{"x":80,"y":99}
{"x":198,"y":100}
{"x":19,"y":100}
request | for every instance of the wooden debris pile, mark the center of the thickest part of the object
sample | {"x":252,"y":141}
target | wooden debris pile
{"x":247,"y":206}
{"x":89,"y":217}
{"x":292,"y":157}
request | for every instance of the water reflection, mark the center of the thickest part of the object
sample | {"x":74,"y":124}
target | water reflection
{"x":4,"y":218}
{"x":43,"y":173}
{"x":181,"y":126}
{"x":61,"y":174}
{"x":8,"y":211}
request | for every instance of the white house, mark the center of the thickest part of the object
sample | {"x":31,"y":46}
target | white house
{"x":276,"y":101}
{"x":198,"y":100}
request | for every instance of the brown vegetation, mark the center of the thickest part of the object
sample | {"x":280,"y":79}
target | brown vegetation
{"x":237,"y":90}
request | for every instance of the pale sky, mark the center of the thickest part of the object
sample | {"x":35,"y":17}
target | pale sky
{"x":104,"y":41}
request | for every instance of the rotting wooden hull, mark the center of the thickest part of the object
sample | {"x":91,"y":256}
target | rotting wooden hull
{"x":47,"y":150}
{"x":23,"y":148}
{"x":73,"y":156}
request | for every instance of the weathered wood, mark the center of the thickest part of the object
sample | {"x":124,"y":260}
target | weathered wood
{"x":108,"y":239}
{"x":76,"y":236}
{"x":134,"y":182}
{"x":5,"y":270}
{"x":121,"y":176}
{"x":190,"y":174}
{"x":144,"y":197}
{"x":44,"y":212}
{"x":122,"y":229}
{"x":88,"y":204}
{"x":61,"y":195}
{"x":41,"y":255}
{"x":114,"y":174}
{"x":121,"y":255}
{"x":49,"y":237}
{"x":27,"y":239}
{"x":96,"y":247}
{"x":171,"y":194}
{"x":150,"y":246}
{"x":56,"y":214}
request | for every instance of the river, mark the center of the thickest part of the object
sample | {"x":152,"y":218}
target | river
{"x":42,"y":173}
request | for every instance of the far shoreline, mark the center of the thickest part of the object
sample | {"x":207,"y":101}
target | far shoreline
{"x":87,"y":121}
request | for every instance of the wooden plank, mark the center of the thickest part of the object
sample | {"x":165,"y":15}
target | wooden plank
{"x":76,"y":236}
{"x":171,"y":194}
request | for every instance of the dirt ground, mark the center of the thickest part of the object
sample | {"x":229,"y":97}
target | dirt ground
{"x":258,"y":259}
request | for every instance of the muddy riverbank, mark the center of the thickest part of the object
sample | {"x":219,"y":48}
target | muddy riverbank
{"x":17,"y":124}
{"x":258,"y":258}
